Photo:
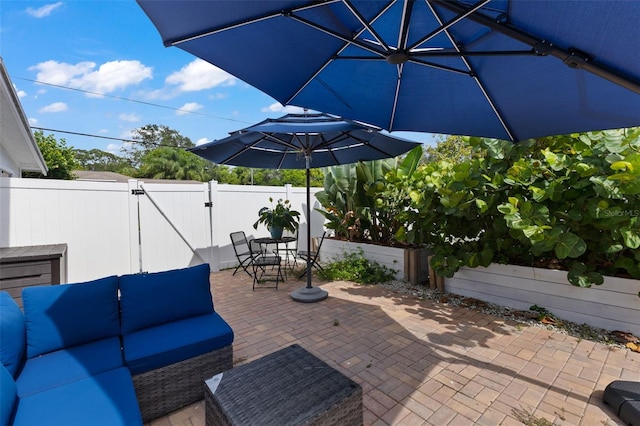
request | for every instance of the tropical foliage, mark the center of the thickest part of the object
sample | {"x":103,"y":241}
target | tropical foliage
{"x":360,"y":204}
{"x":568,"y":202}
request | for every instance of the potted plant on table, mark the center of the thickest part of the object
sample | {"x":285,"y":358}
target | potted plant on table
{"x":278,"y":218}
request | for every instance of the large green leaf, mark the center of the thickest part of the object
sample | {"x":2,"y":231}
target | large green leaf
{"x":507,"y":208}
{"x":410,"y":163}
{"x":631,"y":237}
{"x":570,"y":245}
{"x":614,"y":143}
{"x":481,"y":205}
{"x":585,"y":279}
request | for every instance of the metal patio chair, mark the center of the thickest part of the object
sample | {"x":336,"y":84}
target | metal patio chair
{"x":266,"y":266}
{"x":290,"y":250}
{"x":313,"y":254}
{"x":242,"y":250}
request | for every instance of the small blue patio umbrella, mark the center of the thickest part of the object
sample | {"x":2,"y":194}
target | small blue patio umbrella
{"x":508,"y":69}
{"x":304,"y":141}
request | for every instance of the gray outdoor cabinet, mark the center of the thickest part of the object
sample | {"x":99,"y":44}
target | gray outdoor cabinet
{"x":31,"y":265}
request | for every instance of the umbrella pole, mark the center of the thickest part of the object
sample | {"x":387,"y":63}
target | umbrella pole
{"x":309,"y":265}
{"x":309,"y":293}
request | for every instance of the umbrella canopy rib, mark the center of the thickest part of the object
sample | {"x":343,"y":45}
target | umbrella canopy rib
{"x":229,"y":160}
{"x":348,"y":40}
{"x":472,"y":72}
{"x":444,"y":27}
{"x":244,"y":22}
{"x":331,"y":153}
{"x":366,"y":26}
{"x":396,"y":96}
{"x":344,"y":46}
{"x":405,"y":20}
{"x":572,"y":58}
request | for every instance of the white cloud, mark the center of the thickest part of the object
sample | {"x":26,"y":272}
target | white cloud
{"x":155,"y":94}
{"x":21,"y":93}
{"x":200,"y":75}
{"x":188,"y":107}
{"x":109,"y":77}
{"x":43,"y":11}
{"x":32,"y":121}
{"x":201,"y":141}
{"x":131,"y":118}
{"x":117,"y":75}
{"x":126,"y":135}
{"x":114,"y":148}
{"x":278,"y":107}
{"x":54,"y":107}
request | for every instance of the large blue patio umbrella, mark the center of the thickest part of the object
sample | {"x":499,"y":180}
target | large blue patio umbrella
{"x":303,"y":141}
{"x":509,"y":69}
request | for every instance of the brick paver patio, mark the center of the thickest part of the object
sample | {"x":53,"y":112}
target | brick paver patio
{"x":422,"y":363}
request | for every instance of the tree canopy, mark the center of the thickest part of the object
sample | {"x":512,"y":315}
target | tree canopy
{"x":451,"y":148}
{"x":60,"y":159}
{"x":158,"y":152}
{"x":150,"y":137}
{"x":98,"y":160}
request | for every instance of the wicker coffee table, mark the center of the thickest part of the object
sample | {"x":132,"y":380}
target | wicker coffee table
{"x":287,"y":387}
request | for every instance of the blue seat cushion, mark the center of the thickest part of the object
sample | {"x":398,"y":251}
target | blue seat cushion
{"x":107,"y":399}
{"x":156,"y":298}
{"x":8,"y":396}
{"x":68,"y":365}
{"x":173,"y":342}
{"x":12,"y":333}
{"x":61,"y":316}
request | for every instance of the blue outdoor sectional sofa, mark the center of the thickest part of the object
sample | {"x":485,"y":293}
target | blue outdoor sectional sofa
{"x":113,"y":351}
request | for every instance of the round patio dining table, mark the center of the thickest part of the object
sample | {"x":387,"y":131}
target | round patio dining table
{"x":267,"y":241}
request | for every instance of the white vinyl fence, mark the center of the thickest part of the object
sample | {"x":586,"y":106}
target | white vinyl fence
{"x":118,"y":228}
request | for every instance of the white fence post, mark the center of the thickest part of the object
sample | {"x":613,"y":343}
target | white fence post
{"x":214,"y":225}
{"x":135,"y":245}
{"x":287,"y":191}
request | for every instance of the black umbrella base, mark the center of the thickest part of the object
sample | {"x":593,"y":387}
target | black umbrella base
{"x":309,"y":295}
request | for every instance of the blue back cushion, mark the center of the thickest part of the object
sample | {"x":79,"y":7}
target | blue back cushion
{"x":61,"y":316}
{"x":147,"y":300}
{"x":8,"y":396}
{"x":12,"y":333}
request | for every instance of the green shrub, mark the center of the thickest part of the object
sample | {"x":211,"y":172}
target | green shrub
{"x":354,"y":267}
{"x":569,"y":202}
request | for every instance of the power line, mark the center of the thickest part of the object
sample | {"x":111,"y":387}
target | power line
{"x":101,"y":137}
{"x":120,"y":98}
{"x":84,"y":134}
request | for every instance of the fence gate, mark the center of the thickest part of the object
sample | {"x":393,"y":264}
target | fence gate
{"x":170,"y":226}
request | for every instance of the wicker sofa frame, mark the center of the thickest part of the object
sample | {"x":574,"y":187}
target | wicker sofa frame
{"x":169,"y":388}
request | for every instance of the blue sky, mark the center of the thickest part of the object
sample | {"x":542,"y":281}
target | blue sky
{"x":107,"y":73}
